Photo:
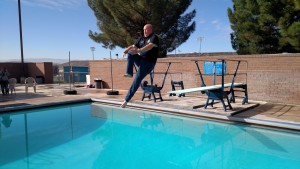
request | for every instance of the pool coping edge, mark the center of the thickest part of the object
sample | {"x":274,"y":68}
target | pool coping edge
{"x":32,"y":106}
{"x":229,"y":118}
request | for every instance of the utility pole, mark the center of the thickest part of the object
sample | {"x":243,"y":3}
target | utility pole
{"x":175,"y":52}
{"x":93,"y":49}
{"x":112,"y":91}
{"x":21,"y":37}
{"x":176,"y":45}
{"x":200,"y":39}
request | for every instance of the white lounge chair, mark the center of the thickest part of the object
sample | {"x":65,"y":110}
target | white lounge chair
{"x":12,"y":84}
{"x":30,"y":82}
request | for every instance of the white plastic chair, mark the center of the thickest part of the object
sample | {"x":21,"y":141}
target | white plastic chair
{"x":12,"y":84}
{"x":30,"y":82}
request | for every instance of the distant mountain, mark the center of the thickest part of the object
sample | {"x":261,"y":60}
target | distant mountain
{"x":80,"y":63}
{"x":54,"y":61}
{"x":59,"y":62}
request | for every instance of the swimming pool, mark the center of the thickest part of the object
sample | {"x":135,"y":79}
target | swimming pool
{"x":90,"y":135}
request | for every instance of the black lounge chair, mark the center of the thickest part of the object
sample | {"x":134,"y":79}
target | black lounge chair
{"x":151,"y":89}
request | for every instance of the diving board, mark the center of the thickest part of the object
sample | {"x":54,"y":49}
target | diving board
{"x":217,"y":92}
{"x":205,"y":88}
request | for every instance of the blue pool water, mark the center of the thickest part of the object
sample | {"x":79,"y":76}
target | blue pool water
{"x":90,"y":135}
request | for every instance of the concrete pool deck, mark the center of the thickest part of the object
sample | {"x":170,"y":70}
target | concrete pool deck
{"x":261,"y":113}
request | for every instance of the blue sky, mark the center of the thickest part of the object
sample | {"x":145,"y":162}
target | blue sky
{"x":52,"y":28}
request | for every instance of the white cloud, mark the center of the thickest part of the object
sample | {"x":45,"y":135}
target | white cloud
{"x":202,"y":21}
{"x":55,"y":4}
{"x":221,"y":27}
{"x":215,"y":21}
{"x":223,"y":30}
{"x":216,"y":24}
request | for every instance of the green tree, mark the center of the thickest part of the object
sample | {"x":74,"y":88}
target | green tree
{"x":121,"y":22}
{"x":261,"y":26}
{"x":289,"y":24}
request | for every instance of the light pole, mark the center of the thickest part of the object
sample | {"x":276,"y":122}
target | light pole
{"x":93,"y":49}
{"x":200,"y":39}
{"x":21,"y":37}
{"x":112,"y":91}
{"x":71,"y":78}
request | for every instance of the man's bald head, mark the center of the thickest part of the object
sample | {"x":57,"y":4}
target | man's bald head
{"x":148,"y":30}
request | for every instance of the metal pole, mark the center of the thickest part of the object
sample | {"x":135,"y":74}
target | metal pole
{"x":200,"y":41}
{"x":176,"y":43}
{"x":70,"y":70}
{"x":175,"y":52}
{"x":93,"y":49}
{"x":111,"y":73}
{"x":21,"y":38}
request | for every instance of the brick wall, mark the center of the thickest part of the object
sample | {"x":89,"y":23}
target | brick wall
{"x":43,"y":69}
{"x":272,"y":78}
{"x":32,"y":70}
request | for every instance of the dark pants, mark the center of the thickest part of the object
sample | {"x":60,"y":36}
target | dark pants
{"x":144,"y":68}
{"x":131,"y":59}
{"x":4,"y":87}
